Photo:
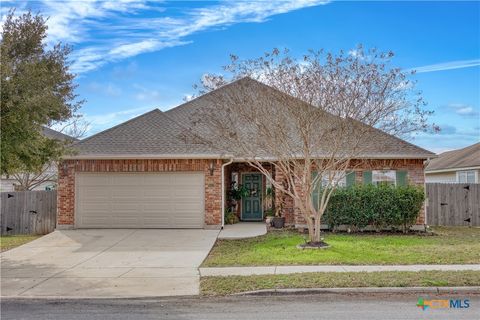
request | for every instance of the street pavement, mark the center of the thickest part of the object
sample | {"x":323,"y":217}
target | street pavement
{"x":313,"y":306}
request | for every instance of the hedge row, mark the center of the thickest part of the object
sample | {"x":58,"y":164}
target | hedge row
{"x":380,"y":206}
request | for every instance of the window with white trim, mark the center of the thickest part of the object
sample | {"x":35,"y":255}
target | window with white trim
{"x":466,"y":176}
{"x":385,"y":177}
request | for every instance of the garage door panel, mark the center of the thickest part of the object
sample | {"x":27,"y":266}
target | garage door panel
{"x":155,"y":191}
{"x":155,"y":181}
{"x":187,"y":191}
{"x":126,"y":180}
{"x":140,"y":200}
{"x":93,"y":180}
{"x":95,"y":192}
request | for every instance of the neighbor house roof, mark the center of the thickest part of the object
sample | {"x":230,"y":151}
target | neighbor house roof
{"x":158,"y":134}
{"x":52,"y":134}
{"x":468,"y":157}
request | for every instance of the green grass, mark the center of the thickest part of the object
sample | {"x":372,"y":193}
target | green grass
{"x":236,"y":284}
{"x":10,"y":242}
{"x":457,"y":245}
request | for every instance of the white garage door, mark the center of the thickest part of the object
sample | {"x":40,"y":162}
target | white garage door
{"x":139,"y":200}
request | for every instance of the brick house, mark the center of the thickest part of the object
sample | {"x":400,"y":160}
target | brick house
{"x":144,"y":173}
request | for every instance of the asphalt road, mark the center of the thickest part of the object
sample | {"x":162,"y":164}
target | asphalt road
{"x":317,"y":306}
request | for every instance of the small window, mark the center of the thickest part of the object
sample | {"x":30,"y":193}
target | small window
{"x":336,"y":179}
{"x":466,"y":176}
{"x":384,"y":177}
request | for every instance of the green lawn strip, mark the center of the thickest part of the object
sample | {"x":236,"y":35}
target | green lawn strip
{"x":236,"y":284}
{"x":457,"y":245}
{"x":10,"y":242}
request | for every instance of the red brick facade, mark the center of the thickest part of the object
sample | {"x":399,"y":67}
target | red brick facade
{"x":213,"y":183}
{"x":68,"y":168}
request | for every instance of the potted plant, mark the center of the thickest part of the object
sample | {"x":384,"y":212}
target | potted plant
{"x":235,"y":194}
{"x":230,"y":217}
{"x":269,"y":214}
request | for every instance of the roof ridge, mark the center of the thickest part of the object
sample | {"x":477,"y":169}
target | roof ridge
{"x":117,"y":126}
{"x":209,"y":93}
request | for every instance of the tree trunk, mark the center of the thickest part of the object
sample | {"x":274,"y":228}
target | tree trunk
{"x":317,"y":228}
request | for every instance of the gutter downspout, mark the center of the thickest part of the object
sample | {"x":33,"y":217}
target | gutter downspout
{"x":223,"y":190}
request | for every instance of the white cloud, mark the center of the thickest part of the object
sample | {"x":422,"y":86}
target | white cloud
{"x":459,"y":64}
{"x":105,"y":31}
{"x":464,"y":110}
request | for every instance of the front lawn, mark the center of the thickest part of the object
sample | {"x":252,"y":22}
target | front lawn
{"x":236,"y":284}
{"x":10,"y":242}
{"x":452,"y":245}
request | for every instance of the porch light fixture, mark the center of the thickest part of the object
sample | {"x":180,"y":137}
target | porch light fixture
{"x":211,"y":167}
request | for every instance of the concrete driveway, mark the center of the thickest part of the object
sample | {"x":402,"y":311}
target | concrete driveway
{"x":107,"y":263}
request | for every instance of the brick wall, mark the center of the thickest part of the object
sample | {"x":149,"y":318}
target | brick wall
{"x":68,"y":168}
{"x":415,"y":175}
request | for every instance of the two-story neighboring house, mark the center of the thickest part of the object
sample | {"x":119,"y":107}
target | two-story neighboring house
{"x":45,"y":180}
{"x":457,"y":166}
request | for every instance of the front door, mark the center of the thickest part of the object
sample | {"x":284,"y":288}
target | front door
{"x":252,"y":204}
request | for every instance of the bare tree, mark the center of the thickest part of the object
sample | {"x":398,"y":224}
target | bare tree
{"x":318,"y":137}
{"x":319,"y":76}
{"x":75,"y":128}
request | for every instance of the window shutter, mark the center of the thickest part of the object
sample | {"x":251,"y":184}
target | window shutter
{"x":350,"y":177}
{"x":316,"y":191}
{"x":401,"y":177}
{"x":367,"y":177}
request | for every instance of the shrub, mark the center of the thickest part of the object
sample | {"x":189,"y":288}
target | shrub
{"x":380,"y":206}
{"x":230,"y":217}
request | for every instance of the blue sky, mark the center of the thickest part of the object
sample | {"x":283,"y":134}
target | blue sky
{"x":133,"y":56}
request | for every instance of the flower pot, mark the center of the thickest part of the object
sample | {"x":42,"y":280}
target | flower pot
{"x":268,"y":220}
{"x":278,"y":222}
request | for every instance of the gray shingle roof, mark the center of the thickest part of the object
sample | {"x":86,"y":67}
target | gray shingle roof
{"x":150,"y":134}
{"x":52,"y":134}
{"x":158,"y":134}
{"x":462,"y":158}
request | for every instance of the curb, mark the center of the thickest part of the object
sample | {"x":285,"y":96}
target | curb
{"x":431,"y":290}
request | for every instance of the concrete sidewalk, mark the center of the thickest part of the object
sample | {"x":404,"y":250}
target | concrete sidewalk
{"x":247,"y":271}
{"x":243,"y":230}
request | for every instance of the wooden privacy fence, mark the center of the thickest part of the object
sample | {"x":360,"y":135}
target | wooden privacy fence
{"x":28,"y":212}
{"x":453,"y":204}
